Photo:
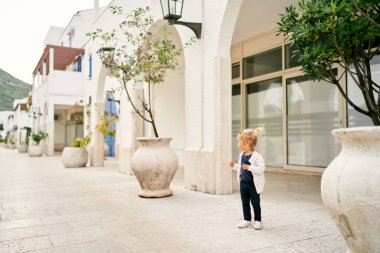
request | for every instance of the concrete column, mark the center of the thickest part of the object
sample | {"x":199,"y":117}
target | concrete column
{"x":49,"y":128}
{"x":97,"y":142}
{"x":131,"y":127}
{"x":222,"y":134}
{"x":207,"y":168}
{"x":193,"y":117}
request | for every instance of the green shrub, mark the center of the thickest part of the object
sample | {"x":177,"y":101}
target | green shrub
{"x":81,"y":142}
{"x":38,"y":137}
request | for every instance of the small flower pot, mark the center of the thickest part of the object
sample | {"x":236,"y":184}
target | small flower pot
{"x":34,"y":151}
{"x":74,"y":157}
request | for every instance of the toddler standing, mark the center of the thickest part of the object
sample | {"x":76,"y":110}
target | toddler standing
{"x":250,"y":174}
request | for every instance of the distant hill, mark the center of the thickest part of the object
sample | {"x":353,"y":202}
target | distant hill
{"x":10,"y":89}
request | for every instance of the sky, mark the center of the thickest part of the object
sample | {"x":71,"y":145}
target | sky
{"x":23,"y":27}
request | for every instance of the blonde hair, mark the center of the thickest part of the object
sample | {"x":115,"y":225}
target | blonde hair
{"x":250,"y":136}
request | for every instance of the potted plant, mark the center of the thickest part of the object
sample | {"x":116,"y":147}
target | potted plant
{"x":11,"y":142}
{"x":76,"y":155}
{"x":6,"y":141}
{"x":345,"y":33}
{"x":35,"y":149}
{"x":132,"y":53}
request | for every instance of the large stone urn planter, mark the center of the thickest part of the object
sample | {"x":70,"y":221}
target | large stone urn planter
{"x":350,"y":188}
{"x":154,"y":164}
{"x":22,"y":148}
{"x":34,"y":151}
{"x":74,"y":157}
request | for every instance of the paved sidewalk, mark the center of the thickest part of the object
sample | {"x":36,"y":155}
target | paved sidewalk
{"x":47,"y":208}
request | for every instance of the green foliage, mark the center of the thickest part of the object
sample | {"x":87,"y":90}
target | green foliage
{"x":330,"y":33}
{"x":104,"y":124}
{"x":81,"y":142}
{"x":132,"y":52}
{"x":11,"y":88}
{"x":11,"y":139}
{"x":28,"y":132}
{"x":1,"y":127}
{"x":38,"y":137}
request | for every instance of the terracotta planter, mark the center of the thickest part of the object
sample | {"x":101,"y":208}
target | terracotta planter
{"x":74,"y":157}
{"x":34,"y":151}
{"x":154,"y":164}
{"x":351,"y":190}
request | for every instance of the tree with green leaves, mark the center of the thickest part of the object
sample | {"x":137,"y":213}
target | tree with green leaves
{"x":131,"y":52}
{"x":331,"y":33}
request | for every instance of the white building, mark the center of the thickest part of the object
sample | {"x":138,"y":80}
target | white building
{"x":21,"y":119}
{"x":4,"y":115}
{"x":239,"y":74}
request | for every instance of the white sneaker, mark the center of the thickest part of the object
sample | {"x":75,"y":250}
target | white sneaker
{"x":257,"y":225}
{"x":245,"y":224}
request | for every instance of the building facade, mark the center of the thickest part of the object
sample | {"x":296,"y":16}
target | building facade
{"x":239,"y":74}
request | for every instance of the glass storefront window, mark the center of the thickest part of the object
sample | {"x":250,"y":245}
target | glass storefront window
{"x":236,"y":117}
{"x":355,"y":118}
{"x":263,"y":63}
{"x":291,"y":59}
{"x":312,"y":112}
{"x":264,"y":109}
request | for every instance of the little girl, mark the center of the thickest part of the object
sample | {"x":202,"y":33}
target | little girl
{"x":250,"y":174}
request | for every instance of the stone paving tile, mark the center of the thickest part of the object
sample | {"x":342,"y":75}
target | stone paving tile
{"x":91,"y":247}
{"x":27,"y":244}
{"x":330,"y":243}
{"x":25,"y":214}
{"x":27,"y":232}
{"x":20,"y":223}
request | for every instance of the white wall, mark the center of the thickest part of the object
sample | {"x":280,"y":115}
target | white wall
{"x":65,"y":83}
{"x":79,"y":25}
{"x":4,"y":120}
{"x":60,"y":129}
{"x":52,"y":36}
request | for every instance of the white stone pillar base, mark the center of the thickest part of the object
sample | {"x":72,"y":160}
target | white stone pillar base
{"x":125,"y":156}
{"x":201,"y":175}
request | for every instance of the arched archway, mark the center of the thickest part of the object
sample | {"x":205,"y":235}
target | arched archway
{"x":97,"y":111}
{"x":249,"y":37}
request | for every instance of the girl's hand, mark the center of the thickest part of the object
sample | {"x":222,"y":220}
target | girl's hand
{"x":245,"y":166}
{"x":232,"y":164}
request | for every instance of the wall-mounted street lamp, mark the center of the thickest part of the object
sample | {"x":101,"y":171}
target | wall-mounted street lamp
{"x":106,"y":54}
{"x":172,"y":11}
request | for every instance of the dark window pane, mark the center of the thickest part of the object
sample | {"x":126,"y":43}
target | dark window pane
{"x":263,"y":63}
{"x":235,"y":89}
{"x":291,"y":57}
{"x":236,"y":117}
{"x":235,"y":71}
